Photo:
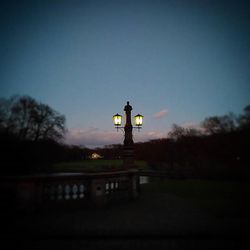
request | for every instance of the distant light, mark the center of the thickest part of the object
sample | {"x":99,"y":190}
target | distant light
{"x":95,"y":156}
{"x":138,"y":120}
{"x":117,"y":120}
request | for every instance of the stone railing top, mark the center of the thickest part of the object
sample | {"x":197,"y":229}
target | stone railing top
{"x":69,"y":175}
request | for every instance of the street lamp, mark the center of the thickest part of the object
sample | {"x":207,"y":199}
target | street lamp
{"x":128,"y":143}
{"x":117,"y":120}
{"x":138,"y":121}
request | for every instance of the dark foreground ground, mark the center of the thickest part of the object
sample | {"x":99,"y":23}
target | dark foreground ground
{"x":154,"y":221}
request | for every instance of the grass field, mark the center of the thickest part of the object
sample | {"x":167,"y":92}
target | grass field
{"x":220,"y":198}
{"x":92,"y":165}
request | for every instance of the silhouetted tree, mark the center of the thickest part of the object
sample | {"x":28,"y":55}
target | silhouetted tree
{"x":6,"y":121}
{"x":29,"y":119}
{"x":192,"y":132}
{"x":177,"y":132}
{"x":219,"y":124}
{"x":244,"y":120}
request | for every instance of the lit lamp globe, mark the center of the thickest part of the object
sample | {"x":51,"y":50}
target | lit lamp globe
{"x":138,"y":120}
{"x":117,"y":120}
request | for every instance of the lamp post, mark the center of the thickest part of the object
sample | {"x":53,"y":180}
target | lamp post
{"x":128,"y":143}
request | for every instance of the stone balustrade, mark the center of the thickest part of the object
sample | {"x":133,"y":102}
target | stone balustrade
{"x":36,"y":191}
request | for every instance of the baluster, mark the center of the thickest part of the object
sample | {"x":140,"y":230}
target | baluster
{"x":107,"y":188}
{"x":81,"y":191}
{"x":67,"y":190}
{"x":59,"y":192}
{"x":74,"y":191}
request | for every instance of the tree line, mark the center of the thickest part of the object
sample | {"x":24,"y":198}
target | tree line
{"x":218,"y":149}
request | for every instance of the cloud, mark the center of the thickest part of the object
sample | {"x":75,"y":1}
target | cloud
{"x":161,"y":114}
{"x":94,"y":137}
{"x":191,"y":125}
{"x":151,"y":135}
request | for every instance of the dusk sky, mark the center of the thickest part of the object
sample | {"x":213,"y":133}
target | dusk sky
{"x":175,"y":61}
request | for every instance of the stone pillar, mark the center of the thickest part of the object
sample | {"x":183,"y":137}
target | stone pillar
{"x":128,"y":148}
{"x":133,"y":184}
{"x":98,"y":196}
{"x":25,"y":195}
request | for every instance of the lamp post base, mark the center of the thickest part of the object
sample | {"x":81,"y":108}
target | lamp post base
{"x":128,"y":157}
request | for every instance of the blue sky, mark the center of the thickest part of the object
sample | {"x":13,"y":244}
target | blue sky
{"x":175,"y":61}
